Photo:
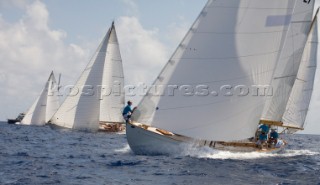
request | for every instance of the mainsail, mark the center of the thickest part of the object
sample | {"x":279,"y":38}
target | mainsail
{"x":97,"y":95}
{"x":298,"y":104}
{"x":233,"y":45}
{"x":289,"y":62}
{"x":45,"y":105}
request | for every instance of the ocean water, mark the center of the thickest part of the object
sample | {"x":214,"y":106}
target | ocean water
{"x":42,"y":155}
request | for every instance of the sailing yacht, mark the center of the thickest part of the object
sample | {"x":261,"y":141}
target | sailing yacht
{"x":220,"y":71}
{"x":45,"y":105}
{"x":96,"y":101}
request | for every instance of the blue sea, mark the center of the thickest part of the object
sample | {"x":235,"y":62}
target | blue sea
{"x":42,"y":155}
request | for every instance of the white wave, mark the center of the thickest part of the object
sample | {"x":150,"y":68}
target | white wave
{"x":209,"y":153}
{"x":125,"y":149}
{"x":121,"y":132}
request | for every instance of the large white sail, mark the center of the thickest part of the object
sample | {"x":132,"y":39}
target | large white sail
{"x":232,"y":44}
{"x":111,"y":105}
{"x":81,"y":109}
{"x":287,"y":67}
{"x":45,"y":106}
{"x":298,"y":104}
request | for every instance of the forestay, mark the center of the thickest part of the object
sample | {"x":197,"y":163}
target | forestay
{"x":287,"y":67}
{"x":90,"y":99}
{"x":298,"y":104}
{"x":232,"y":44}
{"x":45,"y":105}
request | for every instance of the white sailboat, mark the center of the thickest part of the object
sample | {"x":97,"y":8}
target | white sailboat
{"x":45,"y":105}
{"x":230,"y":52}
{"x":98,"y":96}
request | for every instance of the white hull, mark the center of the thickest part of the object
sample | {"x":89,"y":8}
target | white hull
{"x":142,"y":141}
{"x":151,"y":142}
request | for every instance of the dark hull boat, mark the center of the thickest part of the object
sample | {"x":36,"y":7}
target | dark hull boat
{"x":18,"y":119}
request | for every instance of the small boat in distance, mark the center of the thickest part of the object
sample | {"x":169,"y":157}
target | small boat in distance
{"x":220,"y":71}
{"x":18,"y":119}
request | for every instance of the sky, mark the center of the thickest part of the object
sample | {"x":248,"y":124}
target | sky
{"x":62,"y":35}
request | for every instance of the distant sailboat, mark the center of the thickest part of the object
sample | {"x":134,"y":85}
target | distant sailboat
{"x":233,"y":45}
{"x":45,"y":105}
{"x":98,"y":97}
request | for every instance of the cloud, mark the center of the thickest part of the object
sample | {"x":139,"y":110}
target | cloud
{"x":177,"y":30}
{"x":30,"y":49}
{"x":142,"y":53}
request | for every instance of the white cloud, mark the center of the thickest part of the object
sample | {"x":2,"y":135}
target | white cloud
{"x":177,"y":30}
{"x":30,"y":49}
{"x":143,"y":54}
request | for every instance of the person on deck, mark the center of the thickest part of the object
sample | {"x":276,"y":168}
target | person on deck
{"x":127,"y":111}
{"x":264,"y":128}
{"x":263,"y":137}
{"x":274,"y":136}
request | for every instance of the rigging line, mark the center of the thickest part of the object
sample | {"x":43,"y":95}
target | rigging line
{"x":223,"y":119}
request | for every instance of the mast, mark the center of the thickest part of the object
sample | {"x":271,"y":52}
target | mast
{"x":231,"y":43}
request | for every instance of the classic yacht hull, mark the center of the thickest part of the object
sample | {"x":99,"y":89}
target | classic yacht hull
{"x":144,"y":140}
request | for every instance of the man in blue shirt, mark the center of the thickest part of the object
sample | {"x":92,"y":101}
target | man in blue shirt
{"x":263,"y":136}
{"x":127,"y":111}
{"x":274,"y":136}
{"x":262,"y":142}
{"x":264,"y":128}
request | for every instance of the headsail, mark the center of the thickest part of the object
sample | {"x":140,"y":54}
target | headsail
{"x":112,"y":104}
{"x":88,"y":100}
{"x":289,"y":62}
{"x":298,"y":104}
{"x":45,"y":106}
{"x":232,"y":44}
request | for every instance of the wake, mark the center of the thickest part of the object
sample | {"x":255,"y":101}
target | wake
{"x":126,"y":149}
{"x":210,"y":153}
